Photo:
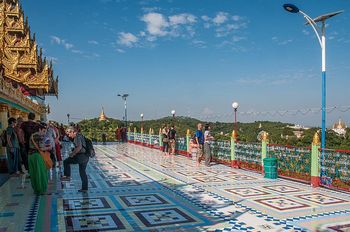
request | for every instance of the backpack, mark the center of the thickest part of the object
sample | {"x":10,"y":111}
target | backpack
{"x":4,"y":138}
{"x":89,"y":149}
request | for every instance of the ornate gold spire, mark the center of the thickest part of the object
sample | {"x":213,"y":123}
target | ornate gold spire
{"x":18,"y":53}
{"x":234,"y":134}
{"x":102,"y":116}
{"x":316,"y":139}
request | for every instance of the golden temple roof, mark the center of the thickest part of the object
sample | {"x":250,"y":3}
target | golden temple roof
{"x":20,"y":62}
{"x":102,"y":116}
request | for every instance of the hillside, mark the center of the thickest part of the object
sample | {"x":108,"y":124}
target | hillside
{"x":279,"y":132}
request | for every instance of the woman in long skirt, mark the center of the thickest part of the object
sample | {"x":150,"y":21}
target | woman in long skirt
{"x":37,"y":169}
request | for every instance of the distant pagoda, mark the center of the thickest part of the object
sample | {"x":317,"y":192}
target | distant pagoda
{"x":102,"y":116}
{"x":20,"y":62}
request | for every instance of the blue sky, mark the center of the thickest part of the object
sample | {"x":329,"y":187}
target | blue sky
{"x":193,"y":56}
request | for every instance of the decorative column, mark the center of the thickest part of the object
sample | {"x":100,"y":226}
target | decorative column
{"x":150,"y":138}
{"x":234,"y":162}
{"x":135,"y":132}
{"x":142,"y":143}
{"x":160,"y":139}
{"x":3,"y":126}
{"x":129,"y":131}
{"x":264,"y":143}
{"x":315,"y":161}
{"x":188,"y":138}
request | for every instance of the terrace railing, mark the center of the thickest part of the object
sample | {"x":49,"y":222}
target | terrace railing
{"x":248,"y":155}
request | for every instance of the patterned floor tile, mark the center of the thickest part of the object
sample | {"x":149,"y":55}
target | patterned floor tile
{"x":247,"y":192}
{"x":282,"y":203}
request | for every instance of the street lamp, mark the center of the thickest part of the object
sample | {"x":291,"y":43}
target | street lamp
{"x":173,"y":113}
{"x":124,"y":96}
{"x":320,"y":33}
{"x":68,"y":115}
{"x":235,"y":106}
{"x":141,"y":115}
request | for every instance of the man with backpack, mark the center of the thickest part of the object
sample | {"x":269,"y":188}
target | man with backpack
{"x":79,"y":155}
{"x":172,"y":140}
{"x":13,"y":149}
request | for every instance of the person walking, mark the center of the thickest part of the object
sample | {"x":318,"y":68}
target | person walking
{"x":207,"y":140}
{"x":200,"y":142}
{"x":165,"y":139}
{"x":77,"y":156}
{"x":13,"y":148}
{"x":172,"y":140}
{"x":29,"y":127}
{"x":20,"y":136}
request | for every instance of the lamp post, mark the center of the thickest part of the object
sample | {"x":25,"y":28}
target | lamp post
{"x":141,"y":115}
{"x":173,"y":113}
{"x":68,"y":115}
{"x":235,"y":106}
{"x":320,"y":34}
{"x":124,"y":96}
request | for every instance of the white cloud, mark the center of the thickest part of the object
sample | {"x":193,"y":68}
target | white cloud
{"x":220,"y":18}
{"x":120,"y":50}
{"x":182,"y":19}
{"x":68,"y":45}
{"x":236,"y":18}
{"x":94,"y":42}
{"x":53,"y":59}
{"x":57,"y":40}
{"x":156,"y":24}
{"x":205,"y":18}
{"x":77,"y":51}
{"x":127,"y":39}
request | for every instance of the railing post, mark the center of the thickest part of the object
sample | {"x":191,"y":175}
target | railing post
{"x":135,"y":132}
{"x":315,"y":162}
{"x":128,"y":135}
{"x":142,"y":143}
{"x":234,"y":162}
{"x":188,"y":135}
{"x":150,"y":138}
{"x":264,"y":143}
{"x":160,"y":139}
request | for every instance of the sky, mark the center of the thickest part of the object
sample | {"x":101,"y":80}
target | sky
{"x":195,"y":57}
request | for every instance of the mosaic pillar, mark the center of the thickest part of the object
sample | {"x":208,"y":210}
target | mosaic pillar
{"x":264,"y":143}
{"x":188,"y":135}
{"x":160,"y":139}
{"x":234,"y":162}
{"x":3,"y":125}
{"x":142,"y":143}
{"x":150,"y":137}
{"x":135,"y":132}
{"x":315,"y":161}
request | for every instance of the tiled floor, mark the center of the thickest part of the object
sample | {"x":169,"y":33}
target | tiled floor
{"x":133,"y":188}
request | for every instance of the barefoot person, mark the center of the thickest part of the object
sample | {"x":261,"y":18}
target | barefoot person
{"x":77,"y":156}
{"x":37,"y":168}
{"x":199,"y":136}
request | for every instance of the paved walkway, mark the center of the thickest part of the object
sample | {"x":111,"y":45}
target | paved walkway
{"x":133,"y":188}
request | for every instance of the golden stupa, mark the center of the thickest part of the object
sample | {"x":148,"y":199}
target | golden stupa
{"x":102,"y":116}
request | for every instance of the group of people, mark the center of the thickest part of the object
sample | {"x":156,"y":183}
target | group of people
{"x":169,"y":139}
{"x":24,"y":141}
{"x":201,"y":142}
{"x":34,"y":148}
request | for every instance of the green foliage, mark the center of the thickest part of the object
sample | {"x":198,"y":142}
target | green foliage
{"x":279,"y":133}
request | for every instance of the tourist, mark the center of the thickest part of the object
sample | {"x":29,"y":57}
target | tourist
{"x":37,"y":168}
{"x":58,"y":145}
{"x":200,"y":142}
{"x":13,"y":149}
{"x":165,"y":139}
{"x":52,"y":136}
{"x":29,"y":127}
{"x":172,"y":140}
{"x":207,"y":139}
{"x":77,"y":156}
{"x":21,"y":140}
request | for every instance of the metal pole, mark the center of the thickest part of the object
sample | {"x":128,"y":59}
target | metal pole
{"x":323,"y":137}
{"x":126,"y":113}
{"x":236,"y":129}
